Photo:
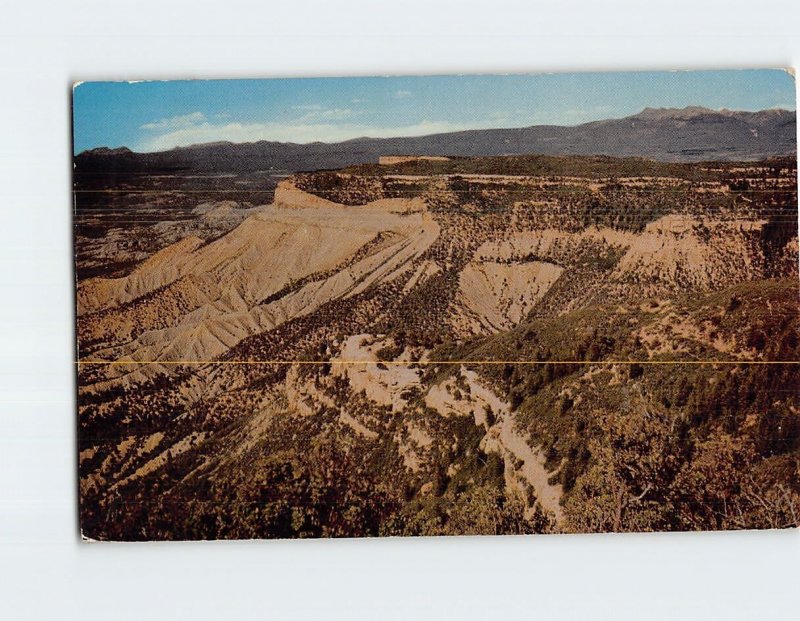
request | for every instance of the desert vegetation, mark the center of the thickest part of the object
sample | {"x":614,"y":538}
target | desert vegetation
{"x":491,"y":345}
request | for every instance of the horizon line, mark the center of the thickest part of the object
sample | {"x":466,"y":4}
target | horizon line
{"x":461,"y":131}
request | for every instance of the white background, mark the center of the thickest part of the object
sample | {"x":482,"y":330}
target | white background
{"x":46,"y":573}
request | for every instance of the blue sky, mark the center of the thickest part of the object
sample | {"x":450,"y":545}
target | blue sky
{"x":153,"y":116}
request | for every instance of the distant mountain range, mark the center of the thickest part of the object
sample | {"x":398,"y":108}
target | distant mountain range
{"x":665,"y":134}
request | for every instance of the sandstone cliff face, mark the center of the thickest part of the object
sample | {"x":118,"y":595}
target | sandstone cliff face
{"x":497,"y":296}
{"x":674,"y":253}
{"x":194,"y":301}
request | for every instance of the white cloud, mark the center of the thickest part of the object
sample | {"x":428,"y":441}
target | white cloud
{"x":312,"y":123}
{"x":297,"y":131}
{"x":328,"y":114}
{"x":176,"y":122}
{"x":316,"y":112}
{"x":402,"y":94}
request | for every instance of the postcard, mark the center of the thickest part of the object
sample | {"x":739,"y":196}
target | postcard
{"x":437,"y":305}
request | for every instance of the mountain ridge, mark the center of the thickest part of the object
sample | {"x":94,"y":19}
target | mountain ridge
{"x":712,"y":134}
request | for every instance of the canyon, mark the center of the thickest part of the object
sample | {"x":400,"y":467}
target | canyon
{"x":424,"y":347}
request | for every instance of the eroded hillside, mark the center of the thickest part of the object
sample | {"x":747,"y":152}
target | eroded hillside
{"x":501,"y":345}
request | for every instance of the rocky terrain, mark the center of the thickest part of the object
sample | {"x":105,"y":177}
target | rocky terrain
{"x":448,"y":346}
{"x":119,"y":193}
